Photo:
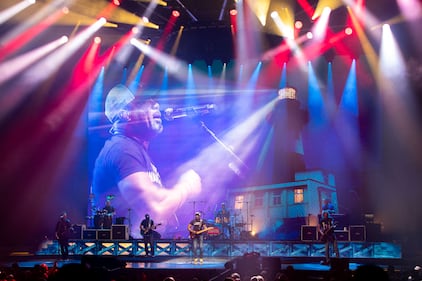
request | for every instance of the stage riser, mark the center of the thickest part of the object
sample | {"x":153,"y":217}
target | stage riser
{"x":179,"y":248}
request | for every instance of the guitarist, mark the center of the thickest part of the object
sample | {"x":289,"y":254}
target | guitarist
{"x":326,"y":229}
{"x":197,"y":228}
{"x":147,"y":227}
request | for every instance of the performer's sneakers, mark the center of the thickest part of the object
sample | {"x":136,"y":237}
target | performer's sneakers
{"x":201,"y":261}
{"x":195,"y":261}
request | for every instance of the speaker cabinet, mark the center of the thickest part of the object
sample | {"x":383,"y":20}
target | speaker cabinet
{"x":110,"y":263}
{"x":342,"y":235}
{"x":90,"y":234}
{"x":104,"y":234}
{"x":308,"y":233}
{"x":77,"y":231}
{"x":357,"y":233}
{"x":339,"y":265}
{"x":373,"y":232}
{"x":119,"y":232}
{"x":271,"y":265}
{"x":248,"y":264}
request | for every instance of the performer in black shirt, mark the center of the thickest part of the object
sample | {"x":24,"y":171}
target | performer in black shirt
{"x":147,"y":231}
{"x":63,"y":229}
{"x":326,"y":229}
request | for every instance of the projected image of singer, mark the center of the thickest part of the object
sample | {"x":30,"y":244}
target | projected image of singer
{"x":124,"y":167}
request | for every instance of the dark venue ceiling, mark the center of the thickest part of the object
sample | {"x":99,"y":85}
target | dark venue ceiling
{"x":207,"y":27}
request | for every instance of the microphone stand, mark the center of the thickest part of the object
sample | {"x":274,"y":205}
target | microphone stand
{"x":228,"y":149}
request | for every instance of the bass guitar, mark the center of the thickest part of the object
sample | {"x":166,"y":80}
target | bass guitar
{"x":193,"y":234}
{"x":327,"y":232}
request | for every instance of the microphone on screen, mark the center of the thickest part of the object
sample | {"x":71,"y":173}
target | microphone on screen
{"x":172,"y":113}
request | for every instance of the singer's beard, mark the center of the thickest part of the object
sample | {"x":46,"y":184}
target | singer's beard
{"x":145,"y":130}
{"x":138,"y":129}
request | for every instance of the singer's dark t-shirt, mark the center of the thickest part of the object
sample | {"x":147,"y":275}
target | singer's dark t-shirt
{"x":120,"y":157}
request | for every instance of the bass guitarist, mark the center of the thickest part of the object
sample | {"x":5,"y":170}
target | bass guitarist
{"x":197,"y":228}
{"x":326,"y":229}
{"x":147,"y":227}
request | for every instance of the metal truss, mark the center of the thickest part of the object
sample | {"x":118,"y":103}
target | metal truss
{"x":178,"y":248}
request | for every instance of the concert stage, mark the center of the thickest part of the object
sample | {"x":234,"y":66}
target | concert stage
{"x":108,"y":260}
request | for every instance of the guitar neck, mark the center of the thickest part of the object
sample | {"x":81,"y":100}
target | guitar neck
{"x":203,"y":230}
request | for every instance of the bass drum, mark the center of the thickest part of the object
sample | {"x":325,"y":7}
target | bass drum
{"x":98,"y":221}
{"x":214,"y":233}
{"x":108,"y":221}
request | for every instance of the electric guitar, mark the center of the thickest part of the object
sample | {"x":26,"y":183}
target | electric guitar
{"x":193,"y":234}
{"x":148,"y":229}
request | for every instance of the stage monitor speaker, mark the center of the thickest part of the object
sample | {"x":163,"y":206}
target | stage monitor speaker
{"x":90,"y":234}
{"x":272,"y":265}
{"x":109,"y":263}
{"x":342,"y":235}
{"x":357,"y":233}
{"x":119,"y":232}
{"x":249,"y":264}
{"x":77,"y":231}
{"x":308,"y":233}
{"x":373,"y":232}
{"x":104,"y":234}
{"x":339,"y":264}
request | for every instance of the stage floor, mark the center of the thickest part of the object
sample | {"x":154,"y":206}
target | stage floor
{"x":218,"y":263}
{"x":212,"y":269}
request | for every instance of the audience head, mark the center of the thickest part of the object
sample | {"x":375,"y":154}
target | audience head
{"x":235,"y":276}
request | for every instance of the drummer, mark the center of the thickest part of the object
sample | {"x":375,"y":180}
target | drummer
{"x":108,"y":214}
{"x":223,"y":218}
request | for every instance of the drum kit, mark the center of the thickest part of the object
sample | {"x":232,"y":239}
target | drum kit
{"x":103,"y":219}
{"x":225,"y":228}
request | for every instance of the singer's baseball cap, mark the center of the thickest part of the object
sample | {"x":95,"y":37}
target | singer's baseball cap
{"x":117,"y":99}
{"x":197,"y":214}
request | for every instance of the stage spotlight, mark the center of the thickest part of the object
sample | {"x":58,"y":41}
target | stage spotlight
{"x":233,"y":12}
{"x":309,"y":35}
{"x":298,"y":24}
{"x":135,"y":30}
{"x":348,"y":31}
{"x":64,"y":39}
{"x":97,"y":40}
{"x":175,"y":13}
{"x":116,"y":2}
{"x":287,"y":93}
